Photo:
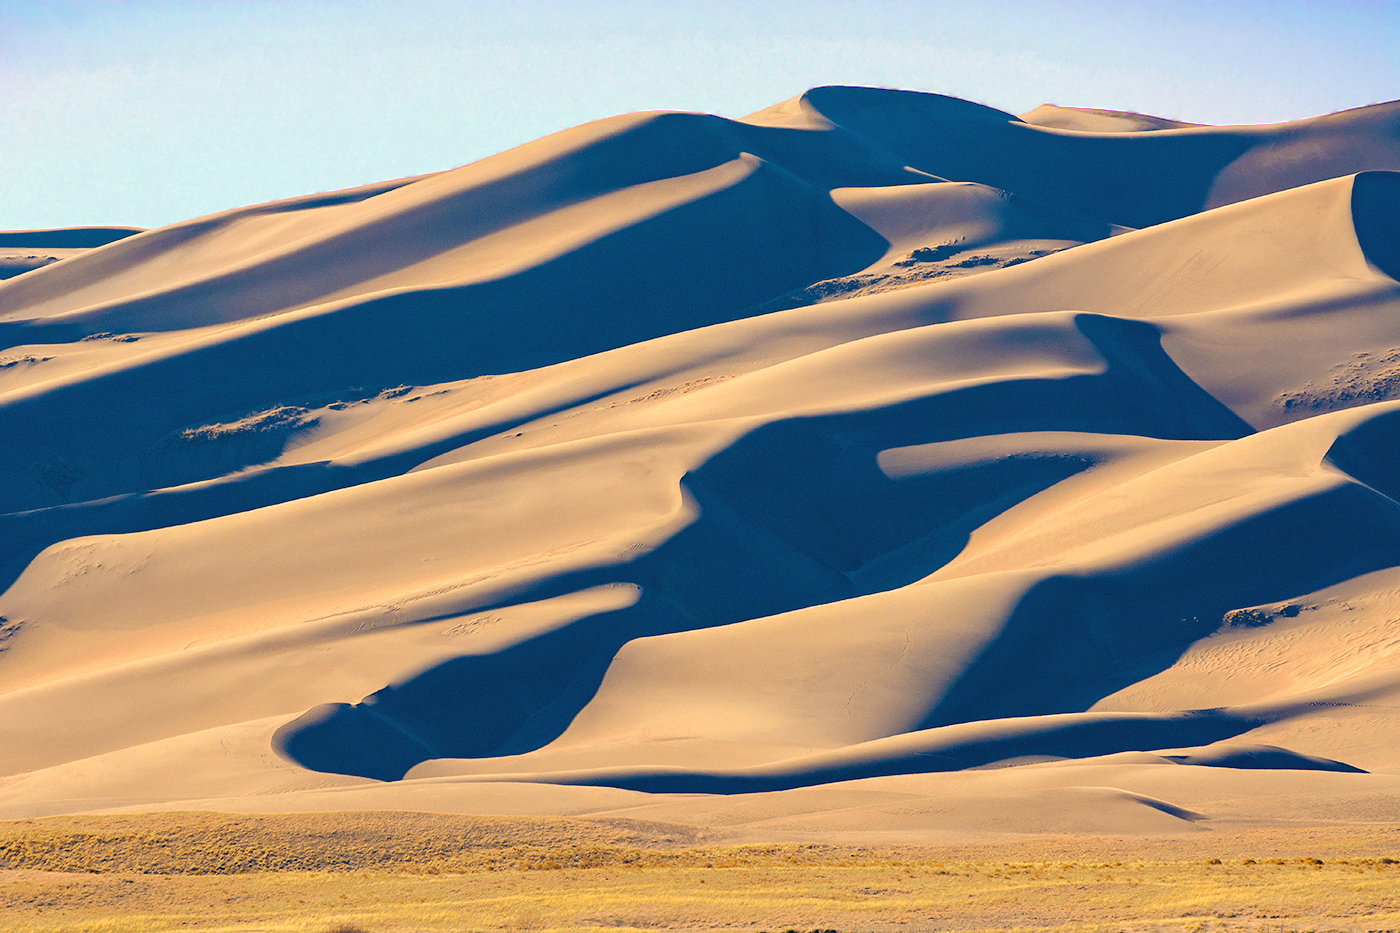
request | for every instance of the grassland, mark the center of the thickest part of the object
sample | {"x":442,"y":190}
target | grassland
{"x":402,"y":872}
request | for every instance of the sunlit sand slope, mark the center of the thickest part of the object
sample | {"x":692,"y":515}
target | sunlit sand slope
{"x":1042,"y":464}
{"x":25,"y":250}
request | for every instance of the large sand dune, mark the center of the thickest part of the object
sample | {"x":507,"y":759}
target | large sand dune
{"x":879,"y":463}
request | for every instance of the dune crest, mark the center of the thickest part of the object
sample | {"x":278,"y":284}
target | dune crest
{"x":878,"y":445}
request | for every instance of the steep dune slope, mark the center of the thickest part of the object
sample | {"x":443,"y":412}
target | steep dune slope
{"x":26,"y":250}
{"x":876,"y":434}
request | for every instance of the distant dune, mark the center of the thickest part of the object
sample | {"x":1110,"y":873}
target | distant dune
{"x":878,"y":465}
{"x":26,"y":250}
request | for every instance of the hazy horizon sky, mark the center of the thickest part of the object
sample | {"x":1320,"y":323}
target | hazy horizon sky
{"x":144,"y":113}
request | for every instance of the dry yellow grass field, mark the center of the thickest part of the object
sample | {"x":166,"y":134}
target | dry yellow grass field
{"x":407,"y":872}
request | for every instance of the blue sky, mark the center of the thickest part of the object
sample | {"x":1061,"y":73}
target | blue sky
{"x":145,"y":113}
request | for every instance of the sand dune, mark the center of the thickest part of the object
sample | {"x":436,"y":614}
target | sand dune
{"x":26,"y":250}
{"x":878,"y":447}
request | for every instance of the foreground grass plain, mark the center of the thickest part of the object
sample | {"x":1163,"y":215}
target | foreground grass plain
{"x":383,"y":872}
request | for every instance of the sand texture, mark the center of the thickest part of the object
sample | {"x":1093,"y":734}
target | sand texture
{"x":878,"y":467}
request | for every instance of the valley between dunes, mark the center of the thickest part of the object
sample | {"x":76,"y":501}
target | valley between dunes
{"x":878,"y":468}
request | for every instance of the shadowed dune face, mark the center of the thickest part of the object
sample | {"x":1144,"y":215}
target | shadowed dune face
{"x":1375,"y":209}
{"x":877,"y":434}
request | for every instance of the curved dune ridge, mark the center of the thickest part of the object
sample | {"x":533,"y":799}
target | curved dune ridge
{"x":875,"y":450}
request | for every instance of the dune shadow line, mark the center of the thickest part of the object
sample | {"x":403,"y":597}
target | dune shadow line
{"x":786,"y":515}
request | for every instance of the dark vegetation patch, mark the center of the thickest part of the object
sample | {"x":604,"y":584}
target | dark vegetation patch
{"x":28,"y":358}
{"x":282,"y":419}
{"x":9,"y":628}
{"x":1362,"y":380}
{"x":1259,"y":617}
{"x":115,"y":338}
{"x":923,"y":265}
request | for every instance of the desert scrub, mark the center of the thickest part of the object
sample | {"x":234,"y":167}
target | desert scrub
{"x":382,"y":872}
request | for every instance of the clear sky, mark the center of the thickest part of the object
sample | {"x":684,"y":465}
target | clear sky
{"x":144,"y":113}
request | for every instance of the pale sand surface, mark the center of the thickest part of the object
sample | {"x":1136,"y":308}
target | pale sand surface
{"x":880,"y":468}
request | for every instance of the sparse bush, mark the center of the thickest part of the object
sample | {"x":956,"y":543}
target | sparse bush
{"x":1247,"y":618}
{"x":930,"y":254}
